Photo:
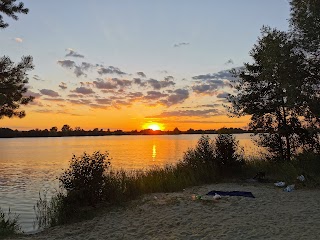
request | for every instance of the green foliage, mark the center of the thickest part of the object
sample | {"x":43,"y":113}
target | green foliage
{"x":227,"y":153}
{"x":85,"y":178}
{"x":276,"y":91}
{"x":305,"y":23}
{"x":9,"y":8}
{"x":203,"y":153}
{"x":8,"y":224}
{"x":13,"y":82}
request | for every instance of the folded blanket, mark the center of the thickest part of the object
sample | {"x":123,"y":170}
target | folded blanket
{"x":232,"y":193}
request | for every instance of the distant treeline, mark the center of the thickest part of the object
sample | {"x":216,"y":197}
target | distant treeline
{"x":66,"y":130}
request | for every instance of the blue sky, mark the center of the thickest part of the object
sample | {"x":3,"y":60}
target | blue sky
{"x":180,"y":39}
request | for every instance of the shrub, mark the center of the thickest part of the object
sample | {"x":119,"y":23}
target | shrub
{"x":203,"y":153}
{"x":8,"y":224}
{"x":227,"y":153}
{"x":85,"y":178}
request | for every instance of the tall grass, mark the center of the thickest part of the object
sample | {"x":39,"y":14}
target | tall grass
{"x":8,"y":224}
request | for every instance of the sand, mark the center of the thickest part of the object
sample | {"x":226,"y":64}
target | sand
{"x":273,"y":214}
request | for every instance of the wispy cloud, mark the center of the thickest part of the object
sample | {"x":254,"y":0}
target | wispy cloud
{"x":110,"y":70}
{"x":141,"y":74}
{"x":63,"y":85}
{"x":181,"y":44}
{"x":18,"y":40}
{"x":188,"y":113}
{"x":83,"y":90}
{"x":157,"y":85}
{"x":73,"y":53}
{"x":37,"y":78}
{"x":49,"y":92}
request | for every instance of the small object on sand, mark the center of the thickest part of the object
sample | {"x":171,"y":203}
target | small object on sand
{"x":216,"y":196}
{"x":195,"y":197}
{"x":231,"y":193}
{"x":301,"y":178}
{"x":280,"y":184}
{"x":289,"y":188}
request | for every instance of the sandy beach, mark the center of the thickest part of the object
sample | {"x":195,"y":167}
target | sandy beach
{"x":273,"y":214}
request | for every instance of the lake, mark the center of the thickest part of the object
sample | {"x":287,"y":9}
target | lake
{"x":31,"y":165}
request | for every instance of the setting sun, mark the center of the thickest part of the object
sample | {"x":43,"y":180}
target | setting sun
{"x":153,"y":126}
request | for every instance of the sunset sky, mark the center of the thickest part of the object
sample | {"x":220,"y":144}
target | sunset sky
{"x":126,"y":64}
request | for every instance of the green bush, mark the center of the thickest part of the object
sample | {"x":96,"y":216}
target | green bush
{"x":85,"y":178}
{"x":8,"y":224}
{"x":227,"y":153}
{"x":203,"y":153}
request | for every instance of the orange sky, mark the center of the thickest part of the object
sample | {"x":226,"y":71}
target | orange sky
{"x":137,"y":63}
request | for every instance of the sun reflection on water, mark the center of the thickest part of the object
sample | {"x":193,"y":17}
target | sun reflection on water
{"x":154,"y":152}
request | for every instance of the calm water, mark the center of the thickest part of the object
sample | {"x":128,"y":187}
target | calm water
{"x":31,"y":165}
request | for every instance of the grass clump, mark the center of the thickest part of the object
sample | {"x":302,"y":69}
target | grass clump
{"x":8,"y":224}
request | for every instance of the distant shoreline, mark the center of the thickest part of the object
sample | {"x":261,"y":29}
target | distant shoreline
{"x":9,"y":133}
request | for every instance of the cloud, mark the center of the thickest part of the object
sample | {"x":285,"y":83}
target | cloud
{"x":78,"y":70}
{"x":33,"y":94}
{"x":66,"y":63}
{"x":101,"y":84}
{"x":110,"y":70}
{"x":209,"y":87}
{"x":49,"y":93}
{"x":181,"y":44}
{"x":63,"y":85}
{"x":211,"y":82}
{"x":54,"y":99}
{"x":223,"y":95}
{"x":154,"y":95}
{"x":37,"y":78}
{"x":157,"y":85}
{"x":121,"y":82}
{"x":72,"y":95}
{"x":230,"y":61}
{"x":18,"y":40}
{"x":104,"y":101}
{"x":139,"y":82}
{"x":112,"y":83}
{"x":80,"y":101}
{"x":73,"y":53}
{"x":134,"y":95}
{"x":224,"y":74}
{"x":188,"y":113}
{"x":168,"y":78}
{"x":178,"y":96}
{"x":83,"y":90}
{"x":141,"y":74}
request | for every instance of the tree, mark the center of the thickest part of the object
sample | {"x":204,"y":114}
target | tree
{"x":13,"y":80}
{"x":66,"y":129}
{"x":305,"y":24}
{"x":275,"y":90}
{"x":9,"y":8}
{"x":227,"y":153}
{"x":54,"y":129}
{"x":13,"y":77}
{"x":305,"y":28}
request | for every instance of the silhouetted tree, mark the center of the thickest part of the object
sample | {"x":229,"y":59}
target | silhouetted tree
{"x":305,"y":24}
{"x":176,"y":131}
{"x":13,"y":77}
{"x":274,"y":89}
{"x":9,"y":8}
{"x":54,"y":129}
{"x":13,"y":80}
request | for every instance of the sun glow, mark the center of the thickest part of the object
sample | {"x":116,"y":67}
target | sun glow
{"x":153,"y":126}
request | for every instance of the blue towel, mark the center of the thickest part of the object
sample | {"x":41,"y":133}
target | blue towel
{"x":232,"y":193}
